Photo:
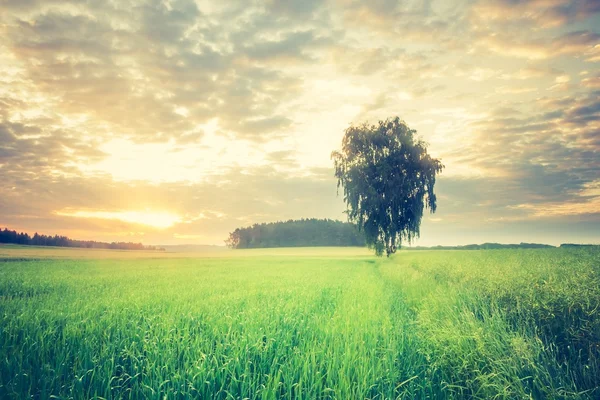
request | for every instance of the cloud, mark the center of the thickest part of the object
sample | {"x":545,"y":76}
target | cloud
{"x":290,"y":47}
{"x":539,"y":49}
{"x":540,"y":13}
{"x":591,"y":82}
{"x":167,"y":23}
{"x":295,"y":9}
{"x":546,"y":159}
{"x":263,"y":127}
{"x":125,"y":68}
{"x":530,"y":72}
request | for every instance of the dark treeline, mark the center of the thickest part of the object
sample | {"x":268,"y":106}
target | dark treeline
{"x":486,"y":246}
{"x":13,"y":237}
{"x":296,"y":233}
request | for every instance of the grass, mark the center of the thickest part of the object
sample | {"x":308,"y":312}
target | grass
{"x":300,"y":324}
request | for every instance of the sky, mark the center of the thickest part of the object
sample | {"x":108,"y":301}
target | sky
{"x":176,"y":121}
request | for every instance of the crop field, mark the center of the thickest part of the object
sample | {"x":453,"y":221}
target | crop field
{"x":300,"y":324}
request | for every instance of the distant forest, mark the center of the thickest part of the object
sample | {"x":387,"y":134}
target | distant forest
{"x":13,"y":237}
{"x":296,"y":233}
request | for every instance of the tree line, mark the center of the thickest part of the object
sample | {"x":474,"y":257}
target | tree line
{"x":13,"y":237}
{"x":489,"y":246}
{"x":296,"y":233}
{"x":485,"y":246}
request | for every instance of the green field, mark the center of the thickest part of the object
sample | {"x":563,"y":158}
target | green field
{"x":300,"y":324}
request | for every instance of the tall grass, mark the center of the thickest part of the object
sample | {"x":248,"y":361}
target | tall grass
{"x":509,"y":324}
{"x":419,"y":325}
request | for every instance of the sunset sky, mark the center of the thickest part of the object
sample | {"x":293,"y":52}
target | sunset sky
{"x":172,"y":122}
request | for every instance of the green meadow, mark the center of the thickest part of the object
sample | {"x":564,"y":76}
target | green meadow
{"x":300,"y":324}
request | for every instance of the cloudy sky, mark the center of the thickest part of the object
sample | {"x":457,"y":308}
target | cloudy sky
{"x":177,"y":121}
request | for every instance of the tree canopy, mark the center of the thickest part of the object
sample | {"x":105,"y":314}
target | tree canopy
{"x":388,"y":179}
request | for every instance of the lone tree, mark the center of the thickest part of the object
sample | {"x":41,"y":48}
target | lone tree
{"x":388,"y":180}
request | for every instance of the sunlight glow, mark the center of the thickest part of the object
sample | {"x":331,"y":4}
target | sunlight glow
{"x":169,"y":162}
{"x":154,"y":219}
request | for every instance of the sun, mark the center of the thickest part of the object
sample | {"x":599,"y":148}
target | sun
{"x":160,"y":220}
